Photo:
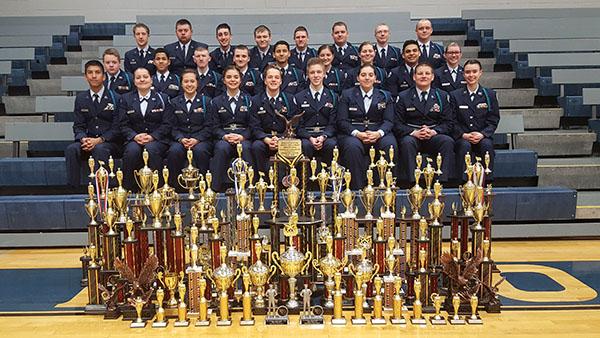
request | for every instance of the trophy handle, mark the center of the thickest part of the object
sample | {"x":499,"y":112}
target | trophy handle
{"x":308,"y":260}
{"x":179,"y":180}
{"x":351,"y":269}
{"x":344,"y":262}
{"x":409,"y":200}
{"x":238,"y":273}
{"x":135,"y":176}
{"x":273,"y":269}
{"x":432,"y":297}
{"x":275,"y":258}
{"x":208,"y":274}
{"x":376,"y":266}
{"x":244,"y":269}
{"x":160,"y":278}
{"x":315,"y":264}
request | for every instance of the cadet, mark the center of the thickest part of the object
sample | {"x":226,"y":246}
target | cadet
{"x":165,"y":81}
{"x":262,"y":54}
{"x":431,"y":52}
{"x":450,"y":77}
{"x":230,"y":113}
{"x":319,"y":104}
{"x":145,"y":121}
{"x":386,"y":56}
{"x":252,"y":82}
{"x":345,"y":54}
{"x":365,"y":118}
{"x":96,"y":125}
{"x":115,"y":79}
{"x":222,"y":56}
{"x":366,"y":53}
{"x":424,"y":124}
{"x":192,"y":128}
{"x":209,"y":81}
{"x":143,"y":54}
{"x":266,"y":126}
{"x":292,"y":79}
{"x":476,"y":118}
{"x":335,"y":78}
{"x":181,"y":52}
{"x":401,"y":77}
{"x":301,"y":52}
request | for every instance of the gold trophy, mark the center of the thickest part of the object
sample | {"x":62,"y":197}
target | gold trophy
{"x":382,"y":166}
{"x":313,"y":169}
{"x":417,"y":316}
{"x":261,"y":190}
{"x":436,"y":207}
{"x":111,"y":166}
{"x":169,"y":281}
{"x":143,"y":177}
{"x":368,"y":195}
{"x":367,"y":269}
{"x":291,"y":262}
{"x":169,"y":196}
{"x":428,"y":174}
{"x":467,"y":192}
{"x":487,"y":161}
{"x":455,"y":319}
{"x":247,"y":319}
{"x":474,"y":317}
{"x":203,"y":318}
{"x":91,"y":207}
{"x":111,"y":237}
{"x":293,"y":194}
{"x":389,"y":197}
{"x":189,"y":177}
{"x":397,"y":318}
{"x":348,"y":196}
{"x":182,"y":307}
{"x":358,"y":318}
{"x":260,"y":275}
{"x":416,"y":196}
{"x":160,"y":320}
{"x":102,"y":180}
{"x":157,"y":203}
{"x":138,"y":323}
{"x":121,"y":198}
{"x":328,"y":266}
{"x":92,"y":166}
{"x":223,"y":277}
{"x":323,"y":179}
{"x":338,"y":316}
{"x":437,"y":301}
{"x":377,"y":317}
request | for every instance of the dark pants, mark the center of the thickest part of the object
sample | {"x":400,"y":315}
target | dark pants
{"x":74,"y":156}
{"x":325,"y":154}
{"x":354,"y":155}
{"x":261,"y":153}
{"x":462,"y":147}
{"x":177,"y":159}
{"x":410,"y":146}
{"x":223,"y":154}
{"x":132,"y":160}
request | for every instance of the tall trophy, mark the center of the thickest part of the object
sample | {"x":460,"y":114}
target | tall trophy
{"x":338,"y":315}
{"x":143,"y":177}
{"x":377,"y":317}
{"x":328,"y":266}
{"x":260,"y":274}
{"x":223,"y":277}
{"x":203,"y":318}
{"x":358,"y":318}
{"x":397,"y":317}
{"x":189,"y":177}
{"x":368,"y":195}
{"x":247,"y":319}
{"x":417,"y":316}
{"x":182,"y":307}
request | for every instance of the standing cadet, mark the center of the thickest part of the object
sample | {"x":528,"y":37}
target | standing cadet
{"x":262,"y":54}
{"x":424,"y":124}
{"x":401,"y":77}
{"x":96,"y":125}
{"x":386,"y":56}
{"x":345,"y":54}
{"x":209,"y":81}
{"x":142,"y":55}
{"x":431,"y":52}
{"x":222,"y":56}
{"x":230,"y":113}
{"x":477,"y":115}
{"x":366,"y":53}
{"x":292,"y":79}
{"x":365,"y":118}
{"x":266,"y":126}
{"x":301,"y":52}
{"x":115,"y":78}
{"x":191,"y":128}
{"x":145,"y":121}
{"x":252,"y":82}
{"x":181,"y":52}
{"x":335,"y":78}
{"x":450,"y":77}
{"x":319,"y":104}
{"x":165,"y":81}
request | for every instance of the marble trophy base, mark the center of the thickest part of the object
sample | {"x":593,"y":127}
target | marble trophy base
{"x":311,"y":320}
{"x":159,"y":325}
{"x":378,"y":321}
{"x":474,"y":320}
{"x":438,"y":321}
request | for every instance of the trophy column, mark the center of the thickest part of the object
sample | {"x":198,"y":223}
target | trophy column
{"x":132,"y":255}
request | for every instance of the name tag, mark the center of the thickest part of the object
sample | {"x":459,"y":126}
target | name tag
{"x":249,"y":84}
{"x":222,"y":110}
{"x":179,"y":112}
{"x":130,"y":111}
{"x":243,"y":108}
{"x":305,"y":105}
{"x":157,"y":110}
{"x":404,"y":85}
{"x":463,"y":107}
{"x":261,"y":111}
{"x":352,"y":109}
{"x":411,"y":109}
{"x":446,"y":84}
{"x":354,"y":57}
{"x":173,"y":87}
{"x":198,"y":110}
{"x":85,"y":110}
{"x":123,"y":87}
{"x":210,"y":84}
{"x":293,"y":84}
{"x":463,"y":82}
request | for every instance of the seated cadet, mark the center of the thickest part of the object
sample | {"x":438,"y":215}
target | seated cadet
{"x":164,"y":81}
{"x":335,"y":78}
{"x":142,"y":55}
{"x":345,"y":55}
{"x":301,"y":52}
{"x":252,"y":82}
{"x":431,"y":52}
{"x":262,"y":54}
{"x":365,"y":118}
{"x":450,"y":77}
{"x":401,"y":77}
{"x":230,"y":114}
{"x":181,"y":52}
{"x":115,"y":79}
{"x":266,"y":126}
{"x":386,"y":56}
{"x":476,"y":118}
{"x":319,"y":104}
{"x":222,"y":56}
{"x":366,"y":52}
{"x":191,"y":128}
{"x":96,"y":125}
{"x":292,"y":79}
{"x":209,"y":81}
{"x":146,"y":122}
{"x":424,"y":125}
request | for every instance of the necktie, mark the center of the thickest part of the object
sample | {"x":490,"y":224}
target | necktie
{"x":162,"y":78}
{"x":382,"y":54}
{"x":412,"y":71}
{"x":232,"y":104}
{"x":184,"y":51}
{"x":272,"y":101}
{"x":472,"y":96}
{"x":453,"y":75}
{"x":142,"y":53}
{"x":341,"y":50}
{"x":367,"y":102}
{"x":423,"y":96}
{"x":111,"y":82}
{"x":317,"y":96}
{"x":188,"y":105}
{"x":424,"y":50}
{"x":302,"y":56}
{"x":96,"y":99}
{"x":202,"y":76}
{"x":143,"y":105}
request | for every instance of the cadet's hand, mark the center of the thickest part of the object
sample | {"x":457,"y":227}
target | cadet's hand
{"x":420,"y":134}
{"x":140,"y":139}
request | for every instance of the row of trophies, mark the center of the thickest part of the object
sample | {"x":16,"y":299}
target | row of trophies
{"x":345,"y":259}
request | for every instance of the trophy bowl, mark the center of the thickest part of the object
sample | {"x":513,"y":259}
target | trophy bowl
{"x":291,"y":261}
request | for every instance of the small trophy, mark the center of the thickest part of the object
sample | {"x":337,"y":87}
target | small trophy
{"x":358,"y":318}
{"x":203,"y":318}
{"x":338,"y":316}
{"x":138,"y":323}
{"x":160,"y":321}
{"x":397,"y":318}
{"x":377,"y":318}
{"x":275,"y":315}
{"x":437,"y":319}
{"x":247,"y":318}
{"x":310,"y":315}
{"x":474,"y":317}
{"x":182,"y":307}
{"x":455,"y":319}
{"x":417,"y":316}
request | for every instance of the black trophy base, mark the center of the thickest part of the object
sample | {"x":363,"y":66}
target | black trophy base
{"x":95,"y":309}
{"x":398,"y":321}
{"x":378,"y":321}
{"x":113,"y":314}
{"x":261,"y":311}
{"x":438,"y":321}
{"x":276,"y":320}
{"x":311,"y":320}
{"x":494,"y":306}
{"x":160,"y":325}
{"x":129,"y":312}
{"x":249,"y":322}
{"x":338,"y":321}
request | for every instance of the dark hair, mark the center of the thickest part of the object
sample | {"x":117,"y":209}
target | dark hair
{"x":300,"y":29}
{"x":339,"y":23}
{"x":269,"y":67}
{"x":261,"y":28}
{"x":424,"y":64}
{"x":183,"y":22}
{"x":408,"y":43}
{"x":231,"y":67}
{"x":161,"y":50}
{"x":363,"y":45}
{"x":365,"y":66}
{"x":281,"y":42}
{"x":221,"y":26}
{"x":323,"y":47}
{"x":93,"y":63}
{"x":140,"y":69}
{"x":188,"y":71}
{"x":141,"y":25}
{"x":241,"y":47}
{"x":473,"y":62}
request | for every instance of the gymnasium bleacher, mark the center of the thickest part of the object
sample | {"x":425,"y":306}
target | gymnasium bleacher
{"x":545,"y":76}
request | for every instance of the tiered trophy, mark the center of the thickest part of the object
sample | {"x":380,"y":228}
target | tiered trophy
{"x":260,"y":275}
{"x":223,"y":277}
{"x":367,"y":270}
{"x":189,"y":177}
{"x":143,"y":178}
{"x":350,"y":224}
{"x":328,"y":266}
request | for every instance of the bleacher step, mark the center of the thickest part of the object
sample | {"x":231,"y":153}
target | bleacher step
{"x":558,"y":142}
{"x":446,"y":39}
{"x":93,"y":45}
{"x":523,"y":97}
{"x":44,"y":87}
{"x":538,"y":118}
{"x":6,"y":148}
{"x":4,"y":119}
{"x":470,"y":52}
{"x":486,"y":63}
{"x":575,"y":173}
{"x":57,"y":71}
{"x":497,"y":79}
{"x":16,"y":105}
{"x":588,"y":205}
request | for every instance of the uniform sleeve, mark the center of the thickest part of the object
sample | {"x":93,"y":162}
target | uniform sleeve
{"x":401,"y":129}
{"x":126,"y":129}
{"x":79,"y":123}
{"x":112,"y":134}
{"x":446,"y":124}
{"x":493,"y":115}
{"x":343,"y":119}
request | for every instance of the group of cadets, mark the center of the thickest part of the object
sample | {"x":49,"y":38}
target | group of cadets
{"x":417,"y":98}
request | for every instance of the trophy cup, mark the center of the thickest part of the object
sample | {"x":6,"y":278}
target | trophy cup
{"x":112,"y":249}
{"x":397,"y":318}
{"x":377,"y":318}
{"x":358,"y":318}
{"x":328,"y":266}
{"x":91,"y":208}
{"x":169,"y":196}
{"x":474,"y":317}
{"x":102,"y":180}
{"x":121,"y":198}
{"x":428,"y":174}
{"x":417,"y":316}
{"x":169,"y":281}
{"x":467,"y":192}
{"x":338,"y":316}
{"x":323,"y":179}
{"x":138,"y":323}
{"x":189,"y":177}
{"x":261,"y":191}
{"x":366,"y":268}
{"x":182,"y":307}
{"x":92,"y":166}
{"x":160,"y":321}
{"x":223,"y":277}
{"x":455,"y":319}
{"x":437,"y":301}
{"x":416,"y":196}
{"x":382,"y":166}
{"x":143,"y":177}
{"x":436,"y":207}
{"x":368,"y":195}
{"x":156,"y":203}
{"x":203,"y":318}
{"x":260,"y":274}
{"x":347,"y":197}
